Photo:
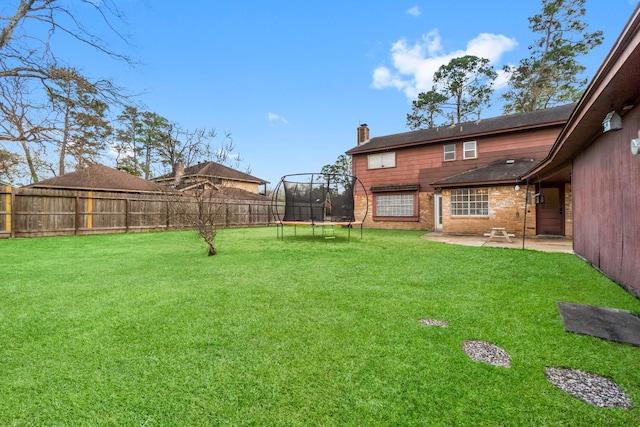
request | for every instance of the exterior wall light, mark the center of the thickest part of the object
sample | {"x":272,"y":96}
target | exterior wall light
{"x":612,"y":121}
{"x":635,"y":146}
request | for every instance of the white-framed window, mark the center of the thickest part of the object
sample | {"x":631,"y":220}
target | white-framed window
{"x":382,"y":160}
{"x":469,"y":202}
{"x":402,"y":205}
{"x":470,"y":151}
{"x":449,"y":152}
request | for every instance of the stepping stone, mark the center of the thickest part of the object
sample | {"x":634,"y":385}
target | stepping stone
{"x":434,"y":322}
{"x":590,"y":388}
{"x":485,"y":352}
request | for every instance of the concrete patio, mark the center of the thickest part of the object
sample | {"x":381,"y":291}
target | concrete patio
{"x":537,"y":243}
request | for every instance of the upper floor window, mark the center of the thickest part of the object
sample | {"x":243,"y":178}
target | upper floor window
{"x":382,"y":160}
{"x":449,"y":152}
{"x":470,"y":151}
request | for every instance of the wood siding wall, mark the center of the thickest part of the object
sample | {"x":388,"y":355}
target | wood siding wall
{"x":31,"y":212}
{"x":606,"y":204}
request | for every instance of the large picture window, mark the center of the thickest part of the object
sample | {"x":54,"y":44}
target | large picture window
{"x":396,"y":202}
{"x":470,"y":202}
{"x":398,"y":206}
{"x":382,"y":160}
{"x":395,"y":205}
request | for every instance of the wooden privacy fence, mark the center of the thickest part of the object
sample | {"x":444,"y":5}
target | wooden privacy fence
{"x":31,"y":212}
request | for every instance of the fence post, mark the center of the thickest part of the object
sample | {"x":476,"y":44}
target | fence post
{"x":76,"y":221}
{"x":90,"y":209}
{"x":167,"y":219}
{"x":8,"y":207}
{"x":126,"y":215}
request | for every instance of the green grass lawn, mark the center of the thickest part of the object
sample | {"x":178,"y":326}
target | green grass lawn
{"x":146,"y":330}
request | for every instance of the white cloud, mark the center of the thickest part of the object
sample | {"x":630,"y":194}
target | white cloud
{"x":276,"y":118}
{"x":490,"y":46}
{"x":414,"y":65}
{"x":415,"y":11}
{"x":502,"y":80}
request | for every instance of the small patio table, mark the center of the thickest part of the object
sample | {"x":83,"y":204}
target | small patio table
{"x":499,"y":233}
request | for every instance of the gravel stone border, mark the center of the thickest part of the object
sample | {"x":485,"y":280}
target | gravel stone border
{"x":485,"y":352}
{"x":590,"y":388}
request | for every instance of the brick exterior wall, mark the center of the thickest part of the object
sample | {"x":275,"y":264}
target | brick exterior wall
{"x":425,"y":214}
{"x":506,"y":209}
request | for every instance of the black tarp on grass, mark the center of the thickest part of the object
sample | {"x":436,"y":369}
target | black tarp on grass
{"x":606,"y":323}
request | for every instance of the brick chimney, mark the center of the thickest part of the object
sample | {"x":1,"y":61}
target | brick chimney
{"x":178,"y":172}
{"x":363,"y":134}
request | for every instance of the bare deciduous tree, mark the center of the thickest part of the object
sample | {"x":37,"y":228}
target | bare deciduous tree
{"x":24,"y":55}
{"x":22,"y":122}
{"x":31,"y":62}
{"x":203,"y":204}
{"x":9,"y":165}
{"x":202,"y":208}
{"x":182,"y":146}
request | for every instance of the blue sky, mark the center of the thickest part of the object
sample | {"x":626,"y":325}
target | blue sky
{"x":293,"y":80}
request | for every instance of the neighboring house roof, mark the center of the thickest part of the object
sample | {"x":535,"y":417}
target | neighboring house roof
{"x":99,"y":177}
{"x":213,"y":170}
{"x":614,"y":87}
{"x":493,"y":126}
{"x":232,"y":193}
{"x":502,"y":172}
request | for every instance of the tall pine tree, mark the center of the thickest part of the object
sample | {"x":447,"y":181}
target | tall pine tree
{"x":82,"y":127}
{"x":552,"y":74}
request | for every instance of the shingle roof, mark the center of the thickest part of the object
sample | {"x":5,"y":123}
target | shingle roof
{"x":494,"y":173}
{"x":496,"y":125}
{"x":233,"y":193}
{"x":99,"y":177}
{"x":214,"y":170}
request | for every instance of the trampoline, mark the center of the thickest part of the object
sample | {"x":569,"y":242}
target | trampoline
{"x":317,"y":200}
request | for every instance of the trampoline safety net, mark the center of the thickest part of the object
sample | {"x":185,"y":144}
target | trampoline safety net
{"x":318,"y":198}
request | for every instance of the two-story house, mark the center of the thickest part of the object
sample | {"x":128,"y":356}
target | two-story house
{"x":463,"y":179}
{"x":212,"y":174}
